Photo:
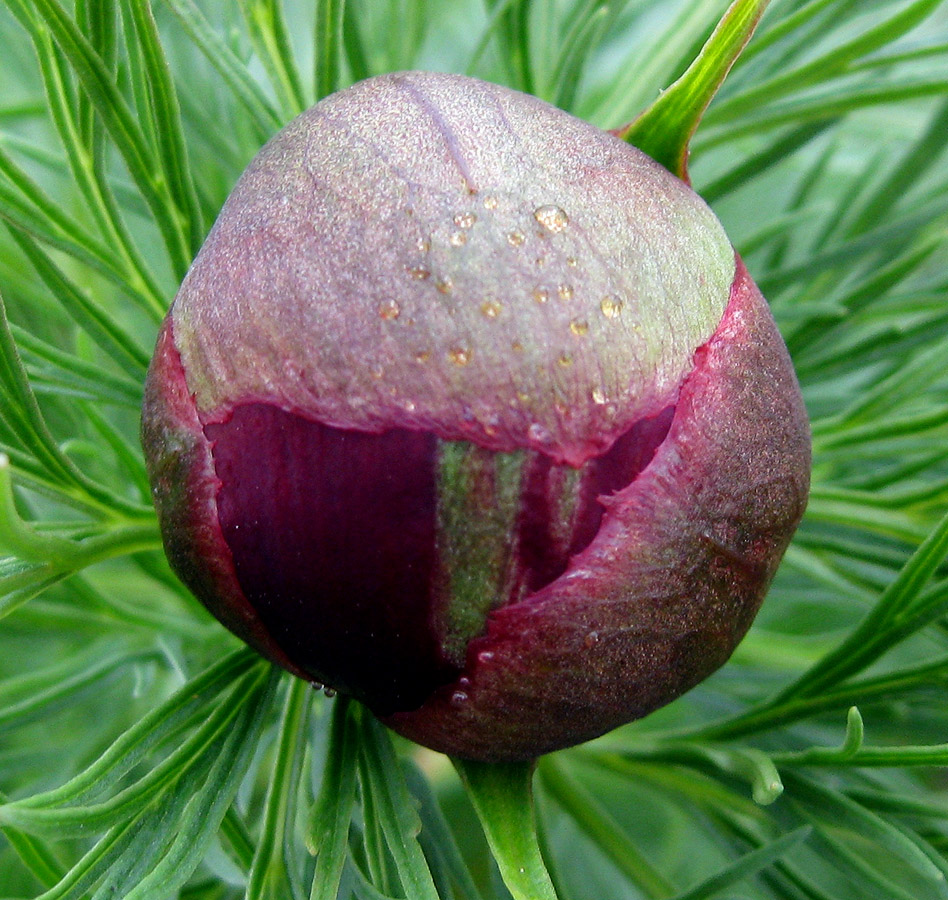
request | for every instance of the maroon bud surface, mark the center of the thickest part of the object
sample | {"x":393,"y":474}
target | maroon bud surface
{"x":469,"y":410}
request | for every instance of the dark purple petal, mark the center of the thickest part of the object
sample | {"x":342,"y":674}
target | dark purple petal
{"x":333,"y":538}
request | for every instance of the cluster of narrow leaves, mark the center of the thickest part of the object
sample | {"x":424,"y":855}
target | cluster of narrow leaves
{"x":143,"y":754}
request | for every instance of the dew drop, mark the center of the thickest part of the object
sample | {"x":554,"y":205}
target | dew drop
{"x":551,"y":217}
{"x":610,"y":307}
{"x":490,"y":309}
{"x":377,"y":372}
{"x":490,"y":202}
{"x":536,"y":432}
{"x":316,"y":685}
{"x":465,"y":220}
{"x":565,"y":360}
{"x":517,"y":347}
{"x":591,"y":639}
{"x":464,"y":681}
{"x":565,"y":291}
{"x":423,"y":244}
{"x":571,"y":261}
{"x":598,"y":396}
{"x":422,"y":356}
{"x":579,"y":327}
{"x":458,"y":698}
{"x":460,"y":356}
{"x":389,"y":309}
{"x":457,"y":239}
{"x":329,"y":692}
{"x":516,"y":238}
{"x":541,"y":295}
{"x":419,"y":272}
{"x":445,"y":285}
{"x":408,"y":406}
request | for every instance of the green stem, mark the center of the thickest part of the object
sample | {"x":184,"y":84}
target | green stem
{"x":502,"y":795}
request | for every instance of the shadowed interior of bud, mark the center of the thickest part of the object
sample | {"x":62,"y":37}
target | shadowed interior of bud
{"x":373,"y":559}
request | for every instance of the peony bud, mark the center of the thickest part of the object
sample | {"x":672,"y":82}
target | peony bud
{"x":468,"y":409}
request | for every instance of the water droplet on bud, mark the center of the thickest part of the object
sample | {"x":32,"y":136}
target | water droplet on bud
{"x":610,"y":307}
{"x":591,"y":639}
{"x":536,"y":432}
{"x":490,"y":202}
{"x":551,"y":217}
{"x":565,"y":291}
{"x":419,"y":272}
{"x":389,"y":309}
{"x":598,"y":396}
{"x":565,"y":360}
{"x":579,"y":327}
{"x":516,"y":238}
{"x":457,"y":239}
{"x":445,"y":285}
{"x":490,"y":309}
{"x":458,"y":698}
{"x":465,"y":220}
{"x":460,"y":356}
{"x":541,"y":295}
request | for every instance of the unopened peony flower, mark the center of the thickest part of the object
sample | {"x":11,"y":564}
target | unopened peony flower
{"x":468,"y":409}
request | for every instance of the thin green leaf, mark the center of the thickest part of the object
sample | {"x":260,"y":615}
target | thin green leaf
{"x":268,"y":873}
{"x":85,"y":164}
{"x":156,"y":727}
{"x":267,"y":26}
{"x":182,"y":762}
{"x":749,"y":864}
{"x":206,"y":808}
{"x":654,"y":65}
{"x":167,"y":121}
{"x":50,"y":365}
{"x":758,"y":163}
{"x":665,"y":129}
{"x":167,"y":840}
{"x":840,"y":812}
{"x":118,"y":119}
{"x":27,"y":697}
{"x":328,"y":44}
{"x":23,"y":414}
{"x":35,"y":855}
{"x":94,"y":321}
{"x":823,"y":105}
{"x":576,"y":49}
{"x":328,"y":832}
{"x":923,"y":154}
{"x":821,"y":68}
{"x":603,"y":830}
{"x":395,"y":810}
{"x":26,"y":208}
{"x":233,"y":71}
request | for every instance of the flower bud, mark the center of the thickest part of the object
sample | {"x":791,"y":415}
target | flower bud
{"x":468,"y":409}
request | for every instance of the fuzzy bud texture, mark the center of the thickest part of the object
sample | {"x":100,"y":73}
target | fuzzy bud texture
{"x":468,"y":409}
